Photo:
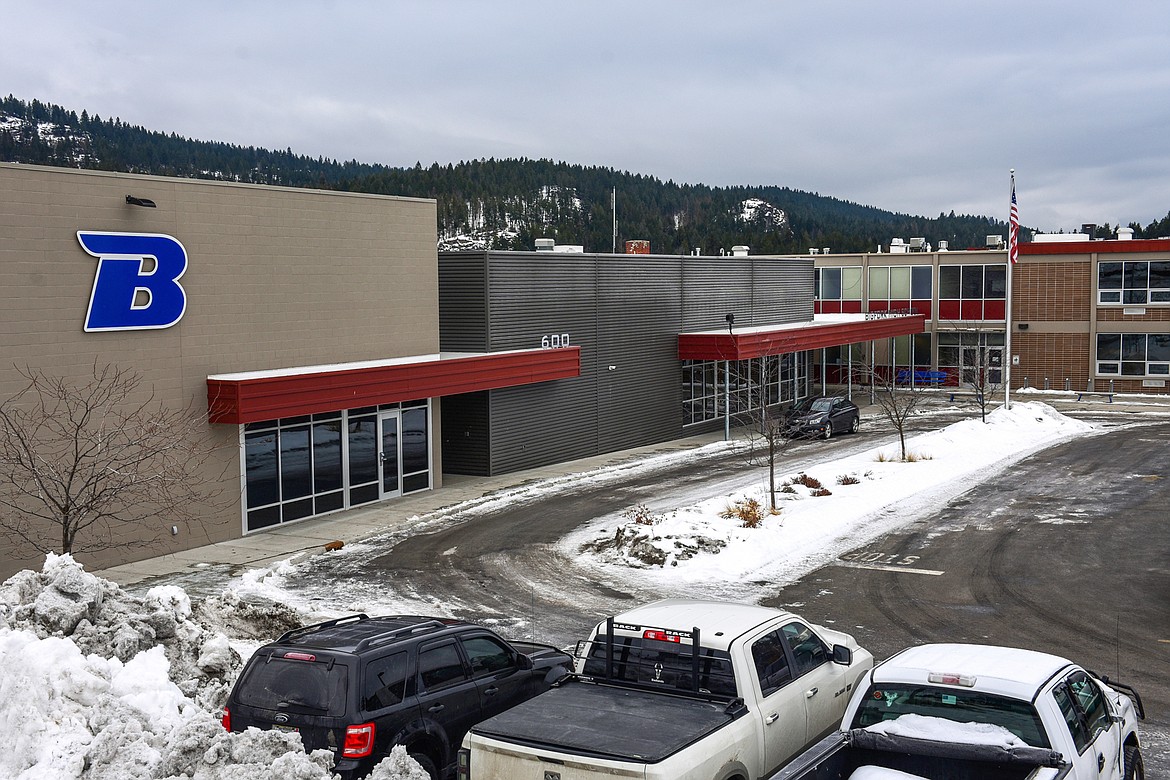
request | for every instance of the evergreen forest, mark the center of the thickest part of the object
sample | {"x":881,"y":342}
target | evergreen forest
{"x":509,"y":203}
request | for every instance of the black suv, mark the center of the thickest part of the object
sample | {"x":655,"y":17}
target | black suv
{"x":360,"y":685}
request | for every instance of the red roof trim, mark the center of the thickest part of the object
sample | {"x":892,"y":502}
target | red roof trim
{"x":257,"y":398}
{"x":777,"y":341}
{"x":1136,"y":245}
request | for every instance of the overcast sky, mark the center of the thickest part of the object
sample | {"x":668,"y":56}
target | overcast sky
{"x":917,"y":107}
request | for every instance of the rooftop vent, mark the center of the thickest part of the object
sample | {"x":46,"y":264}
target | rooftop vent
{"x":545,"y":244}
{"x":898,"y":246}
{"x":1124,"y":234}
{"x":995,"y":242}
{"x":739,"y":251}
{"x":917,"y":244}
{"x":943,"y":246}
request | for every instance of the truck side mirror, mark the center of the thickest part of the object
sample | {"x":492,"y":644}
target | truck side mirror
{"x":842,"y":655}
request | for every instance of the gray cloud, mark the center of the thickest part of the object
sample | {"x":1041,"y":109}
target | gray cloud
{"x":910,"y":106}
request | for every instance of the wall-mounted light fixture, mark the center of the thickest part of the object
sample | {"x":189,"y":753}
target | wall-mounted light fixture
{"x":730,"y":321}
{"x":144,"y":202}
{"x":1022,"y":325}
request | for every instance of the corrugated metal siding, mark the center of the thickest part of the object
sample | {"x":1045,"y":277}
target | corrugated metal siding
{"x":463,"y":312}
{"x":639,"y":306}
{"x":530,"y":296}
{"x":625,"y":311}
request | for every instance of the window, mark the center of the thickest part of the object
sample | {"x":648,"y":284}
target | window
{"x":1133,"y":354}
{"x":385,"y":682}
{"x":311,"y":687}
{"x":888,"y":701}
{"x":808,"y":651}
{"x":898,"y":288}
{"x":972,"y":292}
{"x":440,"y":666}
{"x":667,"y":664}
{"x":1084,"y":709}
{"x":487,"y":656}
{"x":297,"y":467}
{"x":757,"y":382}
{"x":771,"y":663}
{"x":837,"y":290}
{"x":1133,"y":283}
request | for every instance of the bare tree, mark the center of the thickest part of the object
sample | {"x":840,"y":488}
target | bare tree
{"x":895,"y":402}
{"x":767,"y":435}
{"x":82,"y":463}
{"x":983,"y":372}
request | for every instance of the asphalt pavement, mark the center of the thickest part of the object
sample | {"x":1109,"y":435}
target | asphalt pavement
{"x":310,"y":537}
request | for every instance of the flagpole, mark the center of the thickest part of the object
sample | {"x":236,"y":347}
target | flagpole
{"x":1013,"y":250}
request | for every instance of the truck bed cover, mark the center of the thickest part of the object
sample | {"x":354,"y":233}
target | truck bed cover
{"x":602,"y":720}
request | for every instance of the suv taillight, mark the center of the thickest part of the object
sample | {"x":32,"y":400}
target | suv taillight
{"x":227,"y":719}
{"x":359,"y":741}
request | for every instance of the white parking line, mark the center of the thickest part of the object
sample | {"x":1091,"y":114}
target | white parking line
{"x":879,"y":567}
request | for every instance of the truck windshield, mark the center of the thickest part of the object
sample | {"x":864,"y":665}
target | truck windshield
{"x":887,"y":701}
{"x":667,"y":664}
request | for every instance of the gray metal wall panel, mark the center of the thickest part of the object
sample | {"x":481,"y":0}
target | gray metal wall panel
{"x":463,"y":312}
{"x":625,"y":311}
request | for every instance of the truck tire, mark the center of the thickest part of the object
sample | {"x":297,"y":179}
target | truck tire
{"x":1135,"y":768}
{"x":427,"y":764}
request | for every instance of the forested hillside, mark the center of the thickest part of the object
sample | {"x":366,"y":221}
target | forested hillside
{"x":504,"y":204}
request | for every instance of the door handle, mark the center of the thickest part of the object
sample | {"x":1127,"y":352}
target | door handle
{"x":1100,"y":762}
{"x":811,"y":693}
{"x":436,"y":708}
{"x":771,"y":718}
{"x":492,"y":691}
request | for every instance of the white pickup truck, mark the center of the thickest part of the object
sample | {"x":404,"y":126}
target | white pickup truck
{"x":976,"y":712}
{"x":678,"y":690}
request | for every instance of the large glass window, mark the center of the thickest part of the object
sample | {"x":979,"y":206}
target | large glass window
{"x":1133,"y":282}
{"x":901,"y":288}
{"x":972,"y":292}
{"x":755,"y":383}
{"x":837,"y":290}
{"x":303,"y":466}
{"x":1133,"y":354}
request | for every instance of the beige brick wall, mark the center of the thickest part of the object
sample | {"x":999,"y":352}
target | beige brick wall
{"x":276,"y":277}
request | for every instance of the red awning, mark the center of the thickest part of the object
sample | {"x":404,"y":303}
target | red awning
{"x":267,"y":395}
{"x":832,"y":331}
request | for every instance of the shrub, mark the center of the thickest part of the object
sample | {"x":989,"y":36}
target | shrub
{"x":914,"y":457}
{"x":642,"y":515}
{"x":884,"y":458}
{"x":847,"y":479}
{"x":787,"y":488}
{"x":747,"y":510}
{"x":807,"y":481}
{"x":821,"y":492}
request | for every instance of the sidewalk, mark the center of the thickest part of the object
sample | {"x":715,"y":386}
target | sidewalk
{"x":266,"y":548}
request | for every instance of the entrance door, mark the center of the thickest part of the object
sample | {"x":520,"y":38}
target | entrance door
{"x":389,"y":454}
{"x":982,"y":366}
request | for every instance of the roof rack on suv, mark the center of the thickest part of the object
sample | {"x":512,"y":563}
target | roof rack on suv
{"x":287,"y":635}
{"x":395,"y":633}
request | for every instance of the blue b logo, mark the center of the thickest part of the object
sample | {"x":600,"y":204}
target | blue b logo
{"x":137,"y":282}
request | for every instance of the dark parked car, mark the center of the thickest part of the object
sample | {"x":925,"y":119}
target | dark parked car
{"x":821,"y":417}
{"x":360,"y":685}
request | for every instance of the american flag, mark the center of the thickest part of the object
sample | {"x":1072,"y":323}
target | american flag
{"x":1014,"y":229}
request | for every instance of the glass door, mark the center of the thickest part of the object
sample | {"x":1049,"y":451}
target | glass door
{"x":389,"y":453}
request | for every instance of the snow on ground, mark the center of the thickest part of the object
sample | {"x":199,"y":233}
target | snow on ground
{"x":98,"y":683}
{"x":866,"y":495}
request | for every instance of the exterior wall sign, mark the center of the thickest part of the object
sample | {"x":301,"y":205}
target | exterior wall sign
{"x":136,"y":286}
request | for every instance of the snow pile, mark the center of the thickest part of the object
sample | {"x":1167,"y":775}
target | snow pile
{"x":859,"y":498}
{"x":96,"y":683}
{"x":943,"y":730}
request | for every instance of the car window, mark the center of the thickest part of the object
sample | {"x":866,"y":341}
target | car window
{"x":771,"y":662}
{"x":384,"y":683}
{"x":808,"y":651}
{"x":820,"y":405}
{"x":487,"y":655}
{"x":665,"y":664}
{"x":440,"y":666}
{"x":316,"y":687}
{"x":1091,"y":702}
{"x":1072,"y":716}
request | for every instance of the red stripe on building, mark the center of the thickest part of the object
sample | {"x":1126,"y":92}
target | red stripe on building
{"x":1102,"y":247}
{"x":245,"y":398}
{"x":758,"y":342}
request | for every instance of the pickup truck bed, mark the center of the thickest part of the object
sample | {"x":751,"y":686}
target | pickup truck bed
{"x":595,"y":719}
{"x":839,"y":755}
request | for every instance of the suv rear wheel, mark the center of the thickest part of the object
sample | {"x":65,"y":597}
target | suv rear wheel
{"x":427,"y":764}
